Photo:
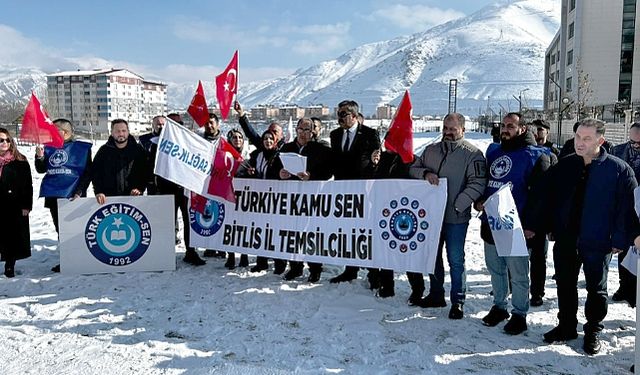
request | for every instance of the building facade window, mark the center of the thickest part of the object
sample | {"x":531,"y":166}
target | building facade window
{"x":570,"y":58}
{"x":626,"y":50}
{"x":572,"y":5}
{"x":571,"y":30}
{"x":569,"y":84}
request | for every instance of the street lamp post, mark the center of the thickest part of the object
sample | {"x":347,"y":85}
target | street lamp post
{"x":519,"y":99}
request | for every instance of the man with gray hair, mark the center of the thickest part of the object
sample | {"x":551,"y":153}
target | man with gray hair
{"x":464,"y":167}
{"x":590,"y":196}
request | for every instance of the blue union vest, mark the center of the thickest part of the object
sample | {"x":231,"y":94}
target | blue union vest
{"x":512,"y":166}
{"x":64,"y":167}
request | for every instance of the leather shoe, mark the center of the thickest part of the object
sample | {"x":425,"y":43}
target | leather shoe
{"x":292,"y":274}
{"x":345,"y":276}
{"x":431,"y":301}
{"x":456,"y":312}
{"x":536,"y":301}
{"x":495,"y":316}
{"x":314,"y":277}
{"x":192,"y":258}
{"x":591,"y":344}
{"x":516,"y":325}
{"x":560,"y":333}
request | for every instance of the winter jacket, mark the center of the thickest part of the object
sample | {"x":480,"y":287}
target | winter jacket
{"x":118,"y":171}
{"x":464,"y":167}
{"x":608,"y":198}
{"x":523,"y":163}
{"x":16,"y":194}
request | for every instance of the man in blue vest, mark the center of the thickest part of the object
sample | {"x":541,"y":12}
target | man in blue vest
{"x":519,"y":161}
{"x":68,"y":170}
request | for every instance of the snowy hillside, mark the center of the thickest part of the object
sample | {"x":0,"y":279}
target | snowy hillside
{"x":16,"y":84}
{"x":495,"y":52}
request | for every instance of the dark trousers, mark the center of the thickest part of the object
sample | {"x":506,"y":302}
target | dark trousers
{"x":180,"y":202}
{"x":277,"y":263}
{"x":567,"y":261}
{"x":53,"y":208}
{"x":416,"y":280}
{"x":538,"y":246}
{"x":313,"y":267}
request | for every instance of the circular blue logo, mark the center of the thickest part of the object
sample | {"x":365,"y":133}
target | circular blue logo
{"x":118,"y":234}
{"x":403,"y":224}
{"x":58,"y":158}
{"x":210,"y":220}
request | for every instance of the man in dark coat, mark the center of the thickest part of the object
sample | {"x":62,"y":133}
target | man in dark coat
{"x":590,"y":195}
{"x":318,"y":169}
{"x":119,"y":165}
{"x":352,"y":146}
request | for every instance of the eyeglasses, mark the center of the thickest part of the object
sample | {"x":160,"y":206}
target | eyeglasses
{"x":5,"y":140}
{"x":342,"y":114}
{"x":632,"y":142}
{"x":303,"y":130}
{"x":237,"y":137}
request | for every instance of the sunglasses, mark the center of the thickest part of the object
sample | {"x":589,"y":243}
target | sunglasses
{"x":5,"y":140}
{"x":303,"y":130}
{"x":632,"y":142}
{"x":342,"y":114}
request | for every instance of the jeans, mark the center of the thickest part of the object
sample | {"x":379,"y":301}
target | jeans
{"x":453,"y":235}
{"x":500,"y":268}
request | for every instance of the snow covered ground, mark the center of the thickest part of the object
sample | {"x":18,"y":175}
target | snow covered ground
{"x":209,"y":320}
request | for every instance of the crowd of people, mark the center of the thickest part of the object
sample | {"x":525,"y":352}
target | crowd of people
{"x":581,"y":197}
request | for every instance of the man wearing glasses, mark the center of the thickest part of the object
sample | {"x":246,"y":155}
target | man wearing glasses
{"x":352,"y":144}
{"x":318,"y":168}
{"x":630,"y":153}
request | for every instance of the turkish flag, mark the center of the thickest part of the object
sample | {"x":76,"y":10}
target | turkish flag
{"x":399,"y":138}
{"x":227,"y":86}
{"x":198,"y":107}
{"x":37,"y":127}
{"x":198,"y":203}
{"x":225,"y":164}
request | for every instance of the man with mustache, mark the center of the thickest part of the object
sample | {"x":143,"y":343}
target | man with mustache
{"x":352,"y":144}
{"x":464,"y":167}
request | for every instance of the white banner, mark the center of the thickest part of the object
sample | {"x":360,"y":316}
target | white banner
{"x":505,"y":224}
{"x":630,"y":261}
{"x":184,"y":157}
{"x":392,"y":224}
{"x":124,"y":234}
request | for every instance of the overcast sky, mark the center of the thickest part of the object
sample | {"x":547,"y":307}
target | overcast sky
{"x":183,"y":41}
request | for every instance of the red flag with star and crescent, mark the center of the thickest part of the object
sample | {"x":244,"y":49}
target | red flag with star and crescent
{"x":225,"y":165}
{"x":198,"y":107}
{"x":37,"y":127}
{"x":399,"y":138}
{"x":227,"y":86}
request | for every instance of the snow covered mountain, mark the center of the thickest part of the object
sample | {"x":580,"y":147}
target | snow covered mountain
{"x":495,"y":52}
{"x":16,"y":84}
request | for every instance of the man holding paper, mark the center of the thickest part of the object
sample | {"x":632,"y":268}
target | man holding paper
{"x":519,"y":161}
{"x":590,"y":199}
{"x":316,"y":166}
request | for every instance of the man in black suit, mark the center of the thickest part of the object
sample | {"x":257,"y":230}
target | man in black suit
{"x":352,"y":145}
